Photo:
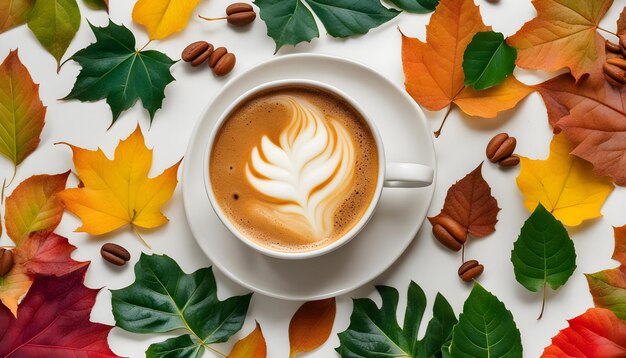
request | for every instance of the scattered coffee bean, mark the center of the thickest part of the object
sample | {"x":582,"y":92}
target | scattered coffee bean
{"x":6,"y":261}
{"x":217,"y":55}
{"x":470,"y":270}
{"x":193,"y":50}
{"x":612,"y":47}
{"x":500,"y":147}
{"x":615,"y":75}
{"x":237,"y":14}
{"x":115,"y":254}
{"x":450,"y":233}
{"x":225,"y":64}
{"x":203,"y":57}
{"x":622,"y":45}
{"x":510,"y":161}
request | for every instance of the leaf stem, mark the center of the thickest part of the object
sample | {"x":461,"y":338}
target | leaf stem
{"x":543,"y":303}
{"x":144,"y":46}
{"x":139,"y":236}
{"x":445,"y":118}
{"x":463,"y":254}
{"x":8,"y":246}
{"x":607,"y":31}
{"x":213,"y":350}
{"x":212,"y":18}
{"x":6,"y":185}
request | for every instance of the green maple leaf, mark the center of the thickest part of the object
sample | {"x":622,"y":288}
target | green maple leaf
{"x":486,"y":329}
{"x":163,"y":298}
{"x":375,"y":332}
{"x":113,"y":69}
{"x":544,"y":254}
{"x":290,"y":22}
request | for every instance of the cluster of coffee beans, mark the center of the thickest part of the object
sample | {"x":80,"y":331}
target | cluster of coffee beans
{"x":115,"y":254}
{"x":220,"y":60}
{"x":453,"y":235}
{"x":500,"y":150}
{"x":615,"y":68}
{"x":6,"y":261}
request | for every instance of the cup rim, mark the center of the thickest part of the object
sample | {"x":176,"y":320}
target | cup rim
{"x":298,"y":254}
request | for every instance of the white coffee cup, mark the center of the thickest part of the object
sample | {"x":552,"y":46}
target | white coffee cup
{"x":397,"y":175}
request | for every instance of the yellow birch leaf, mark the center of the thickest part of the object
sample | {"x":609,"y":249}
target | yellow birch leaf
{"x":118,"y":191}
{"x":564,"y":184}
{"x":162,"y":18}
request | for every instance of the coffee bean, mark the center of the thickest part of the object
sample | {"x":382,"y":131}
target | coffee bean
{"x":203,"y":57}
{"x":6,"y":261}
{"x":445,"y":238}
{"x":115,"y":254}
{"x":510,"y":161}
{"x":217,"y":55}
{"x":240,"y":14}
{"x":470,"y":270}
{"x":500,"y":147}
{"x":193,"y":50}
{"x":238,"y":7}
{"x":454,"y":228}
{"x":612,"y":47}
{"x":225,"y":64}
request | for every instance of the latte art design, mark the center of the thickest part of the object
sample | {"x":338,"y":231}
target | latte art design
{"x":306,"y":175}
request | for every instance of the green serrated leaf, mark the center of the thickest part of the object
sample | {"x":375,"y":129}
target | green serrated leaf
{"x":485,"y":329}
{"x":54,"y":23}
{"x":416,"y":6}
{"x":113,"y":69}
{"x":288,"y":22}
{"x":163,"y":298}
{"x":375,"y":332}
{"x":543,"y":253}
{"x":178,"y":347}
{"x":343,"y":18}
{"x":488,"y":60}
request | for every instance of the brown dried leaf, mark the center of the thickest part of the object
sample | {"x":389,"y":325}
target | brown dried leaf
{"x":311,"y":325}
{"x":470,"y":203}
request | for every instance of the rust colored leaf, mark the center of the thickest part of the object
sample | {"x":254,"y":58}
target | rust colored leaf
{"x":564,"y":34}
{"x":40,"y":253}
{"x":311,"y":325}
{"x":621,"y":22}
{"x":252,"y":346}
{"x":434,"y":69}
{"x":54,"y":321}
{"x":592,"y":115}
{"x":470,"y":203}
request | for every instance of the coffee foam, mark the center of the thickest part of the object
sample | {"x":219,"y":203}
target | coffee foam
{"x":294,"y":168}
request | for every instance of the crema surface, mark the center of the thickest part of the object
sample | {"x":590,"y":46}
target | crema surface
{"x":294,"y":168}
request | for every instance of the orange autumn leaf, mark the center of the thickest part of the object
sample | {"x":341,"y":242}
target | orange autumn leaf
{"x":118,"y":191}
{"x":311,"y":325}
{"x":563,"y":35}
{"x":252,"y":346}
{"x":434,"y":69}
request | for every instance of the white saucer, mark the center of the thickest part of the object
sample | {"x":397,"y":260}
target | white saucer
{"x":395,"y":223}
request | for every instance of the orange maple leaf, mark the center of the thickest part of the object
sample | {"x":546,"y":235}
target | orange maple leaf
{"x":564,"y":34}
{"x":434,"y":69}
{"x":118,"y":191}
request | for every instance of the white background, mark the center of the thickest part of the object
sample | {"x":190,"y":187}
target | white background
{"x":459,"y":150}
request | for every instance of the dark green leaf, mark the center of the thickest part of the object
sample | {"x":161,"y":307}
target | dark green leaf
{"x":375,"y":332}
{"x":416,"y":6}
{"x":485,"y":329}
{"x":54,"y":23}
{"x":288,"y":22}
{"x":178,"y":347}
{"x":488,"y":60}
{"x":113,"y":69}
{"x":163,"y":298}
{"x":343,"y":18}
{"x":543,"y":253}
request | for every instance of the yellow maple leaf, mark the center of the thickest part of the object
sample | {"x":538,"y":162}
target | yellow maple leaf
{"x":118,"y":192}
{"x":564,"y":184}
{"x":162,"y":18}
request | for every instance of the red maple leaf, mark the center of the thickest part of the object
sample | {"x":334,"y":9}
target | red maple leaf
{"x":53,"y":321}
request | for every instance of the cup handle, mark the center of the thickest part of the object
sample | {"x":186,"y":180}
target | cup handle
{"x":408,"y":175}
